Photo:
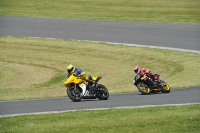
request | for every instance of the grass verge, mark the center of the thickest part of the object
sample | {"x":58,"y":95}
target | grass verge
{"x":169,"y":119}
{"x":170,"y":11}
{"x":36,"y":68}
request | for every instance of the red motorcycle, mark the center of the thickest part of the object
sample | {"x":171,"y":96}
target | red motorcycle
{"x":146,"y":84}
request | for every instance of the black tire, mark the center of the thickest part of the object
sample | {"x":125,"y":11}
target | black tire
{"x":105,"y":93}
{"x":144,"y":89}
{"x":165,"y":87}
{"x":74,"y":94}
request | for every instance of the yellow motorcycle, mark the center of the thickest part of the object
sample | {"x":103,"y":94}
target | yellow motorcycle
{"x":78,"y":89}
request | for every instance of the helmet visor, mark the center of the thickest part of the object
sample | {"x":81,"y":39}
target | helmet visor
{"x":136,"y":70}
{"x":70,"y":70}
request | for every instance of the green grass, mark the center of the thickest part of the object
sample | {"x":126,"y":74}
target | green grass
{"x":166,"y":11}
{"x":169,"y":119}
{"x":36,"y":68}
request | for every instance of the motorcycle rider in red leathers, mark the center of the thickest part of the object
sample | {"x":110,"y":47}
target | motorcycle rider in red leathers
{"x":144,"y":78}
{"x":144,"y":71}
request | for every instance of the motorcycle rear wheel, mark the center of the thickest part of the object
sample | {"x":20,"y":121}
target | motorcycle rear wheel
{"x":144,"y":89}
{"x":74,"y":94}
{"x":165,"y":87}
{"x":105,"y":93}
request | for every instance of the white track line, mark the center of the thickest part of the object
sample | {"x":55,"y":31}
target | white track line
{"x":136,"y":45}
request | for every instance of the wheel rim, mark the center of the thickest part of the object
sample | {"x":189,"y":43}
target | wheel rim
{"x":75,"y":93}
{"x":144,"y":89}
{"x":105,"y":93}
{"x":166,"y":87}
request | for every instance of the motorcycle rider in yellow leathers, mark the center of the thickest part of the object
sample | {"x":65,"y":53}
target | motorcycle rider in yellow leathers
{"x":71,"y":69}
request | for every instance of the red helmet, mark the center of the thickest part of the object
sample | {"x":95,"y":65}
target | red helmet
{"x":136,"y":68}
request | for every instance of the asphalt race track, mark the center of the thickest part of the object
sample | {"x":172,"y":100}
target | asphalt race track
{"x":190,"y":95}
{"x":179,"y":36}
{"x":182,"y":36}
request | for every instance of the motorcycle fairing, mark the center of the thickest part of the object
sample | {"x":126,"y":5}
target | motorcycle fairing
{"x":72,"y":79}
{"x":83,"y":87}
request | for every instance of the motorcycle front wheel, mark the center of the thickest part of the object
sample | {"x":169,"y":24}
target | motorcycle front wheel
{"x":104,"y":93}
{"x":74,"y":93}
{"x":144,"y":89}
